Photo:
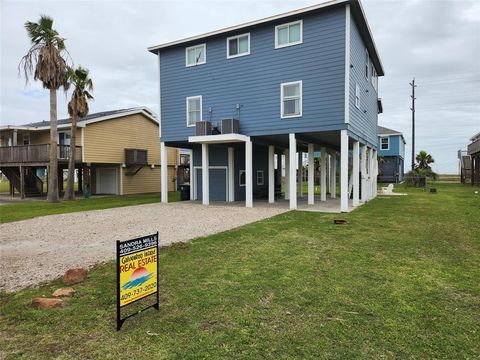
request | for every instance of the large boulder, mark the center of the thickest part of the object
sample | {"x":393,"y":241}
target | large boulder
{"x":74,"y":276}
{"x":46,"y":303}
{"x":64,"y":292}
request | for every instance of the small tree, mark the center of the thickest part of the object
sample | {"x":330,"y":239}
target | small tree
{"x":424,"y":160}
{"x":77,"y":107}
{"x":46,"y":62}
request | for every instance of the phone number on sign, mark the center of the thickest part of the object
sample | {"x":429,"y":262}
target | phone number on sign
{"x":135,"y":294}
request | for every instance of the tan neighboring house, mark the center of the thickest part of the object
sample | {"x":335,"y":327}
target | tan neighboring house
{"x":117,"y":152}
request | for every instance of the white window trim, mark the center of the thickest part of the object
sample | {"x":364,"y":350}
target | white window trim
{"x":300,"y":82}
{"x":388,"y":142}
{"x":237,"y":37}
{"x":187,"y":110}
{"x":357,"y":87}
{"x":204,"y":57}
{"x":240,"y":178}
{"x":263,"y":178}
{"x":277,"y":45}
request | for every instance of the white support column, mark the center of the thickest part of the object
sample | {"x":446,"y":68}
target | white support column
{"x":287,"y":174}
{"x":343,"y":171}
{"x":231,"y":175}
{"x":333,"y":178}
{"x":192,"y":179}
{"x":356,"y":173}
{"x":372,"y":173}
{"x":323,"y":174}
{"x":248,"y":174}
{"x":163,"y":173}
{"x":363,"y":170}
{"x":271,"y":174}
{"x":205,"y":176}
{"x":292,"y":168}
{"x":300,"y":174}
{"x":311,"y":173}
{"x":329,"y":173}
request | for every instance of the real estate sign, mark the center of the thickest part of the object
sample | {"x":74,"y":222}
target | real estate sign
{"x":137,"y":272}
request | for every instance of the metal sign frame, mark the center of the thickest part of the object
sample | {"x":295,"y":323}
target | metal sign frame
{"x":151,"y":237}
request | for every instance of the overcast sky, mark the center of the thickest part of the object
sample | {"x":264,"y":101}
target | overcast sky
{"x":437,"y":42}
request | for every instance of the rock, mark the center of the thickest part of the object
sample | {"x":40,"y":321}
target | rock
{"x":64,"y":292}
{"x":46,"y":303}
{"x":74,"y":276}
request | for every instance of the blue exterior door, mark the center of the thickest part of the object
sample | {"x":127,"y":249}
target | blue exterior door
{"x":218,"y":184}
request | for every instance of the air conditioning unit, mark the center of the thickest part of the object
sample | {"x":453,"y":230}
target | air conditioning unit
{"x":203,"y":128}
{"x":230,"y":126}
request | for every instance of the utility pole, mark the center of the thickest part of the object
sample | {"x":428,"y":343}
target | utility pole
{"x":412,"y":84}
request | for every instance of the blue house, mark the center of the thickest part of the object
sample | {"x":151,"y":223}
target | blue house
{"x":249,"y":97}
{"x":391,"y":149}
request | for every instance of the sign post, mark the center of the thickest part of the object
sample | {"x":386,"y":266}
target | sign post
{"x":137,"y":273}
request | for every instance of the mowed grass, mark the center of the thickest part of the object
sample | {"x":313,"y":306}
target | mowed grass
{"x":28,"y":209}
{"x":400,"y":280}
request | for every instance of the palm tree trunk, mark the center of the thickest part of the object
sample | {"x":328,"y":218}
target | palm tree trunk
{"x":52,"y":194}
{"x":70,"y":193}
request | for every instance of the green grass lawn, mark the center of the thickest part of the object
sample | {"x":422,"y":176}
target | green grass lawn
{"x":400,"y":280}
{"x":32,"y":208}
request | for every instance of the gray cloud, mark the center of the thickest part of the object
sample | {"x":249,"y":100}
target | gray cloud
{"x":438,"y":42}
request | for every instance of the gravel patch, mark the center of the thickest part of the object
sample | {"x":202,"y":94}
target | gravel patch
{"x":40,"y":249}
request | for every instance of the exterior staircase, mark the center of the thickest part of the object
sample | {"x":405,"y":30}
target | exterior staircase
{"x":33,"y":184}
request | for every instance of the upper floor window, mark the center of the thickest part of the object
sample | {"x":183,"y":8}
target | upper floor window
{"x":357,"y":96}
{"x":385,"y":143}
{"x":291,"y":99}
{"x":26,"y":139}
{"x":194,"y":110}
{"x":238,"y":46}
{"x":289,"y":34}
{"x":374,"y":78}
{"x":367,"y":63}
{"x":196,"y":55}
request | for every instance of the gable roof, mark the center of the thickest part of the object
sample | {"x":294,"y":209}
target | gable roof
{"x":90,"y":118}
{"x":356,"y":10}
{"x":386,"y":131}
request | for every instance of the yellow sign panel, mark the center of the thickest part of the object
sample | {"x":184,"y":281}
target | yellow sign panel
{"x":138,"y":275}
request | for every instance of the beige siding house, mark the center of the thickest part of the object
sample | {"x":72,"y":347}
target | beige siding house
{"x":118,"y":152}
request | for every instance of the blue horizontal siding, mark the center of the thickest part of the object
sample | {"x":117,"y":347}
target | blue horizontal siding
{"x":254,"y":80}
{"x":363,"y":121}
{"x":396,"y":147}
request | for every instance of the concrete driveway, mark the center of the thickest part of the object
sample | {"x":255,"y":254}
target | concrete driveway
{"x":40,"y":249}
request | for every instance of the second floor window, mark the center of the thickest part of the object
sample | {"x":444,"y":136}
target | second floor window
{"x":238,"y":46}
{"x":196,"y":55}
{"x":367,"y":63}
{"x":374,"y":78}
{"x":291,"y":98}
{"x":289,"y":34}
{"x":194,"y":110}
{"x":357,"y":96}
{"x":385,"y":143}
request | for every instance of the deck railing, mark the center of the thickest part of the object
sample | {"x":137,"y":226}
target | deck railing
{"x":474,"y":147}
{"x":36,"y":153}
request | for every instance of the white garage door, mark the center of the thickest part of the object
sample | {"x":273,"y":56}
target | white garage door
{"x":106,"y":181}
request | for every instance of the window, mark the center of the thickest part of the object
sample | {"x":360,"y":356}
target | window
{"x":241,"y":179}
{"x":260,"y":177}
{"x":64,"y":138}
{"x":385,"y":143}
{"x":367,"y":63}
{"x":196,"y":55}
{"x":357,"y":96}
{"x":26,"y":139}
{"x":291,"y":99}
{"x":374,"y":78}
{"x":194,"y":110}
{"x":238,"y":46}
{"x":289,"y":34}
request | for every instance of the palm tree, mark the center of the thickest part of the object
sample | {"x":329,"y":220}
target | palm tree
{"x":44,"y":60}
{"x":424,"y":160}
{"x":77,"y":107}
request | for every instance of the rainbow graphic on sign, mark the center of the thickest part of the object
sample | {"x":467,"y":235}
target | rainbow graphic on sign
{"x":138,"y":277}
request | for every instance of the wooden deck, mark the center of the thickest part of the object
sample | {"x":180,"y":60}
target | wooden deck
{"x":35,"y":155}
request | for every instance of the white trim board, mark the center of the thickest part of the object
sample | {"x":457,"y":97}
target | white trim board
{"x":220,"y":138}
